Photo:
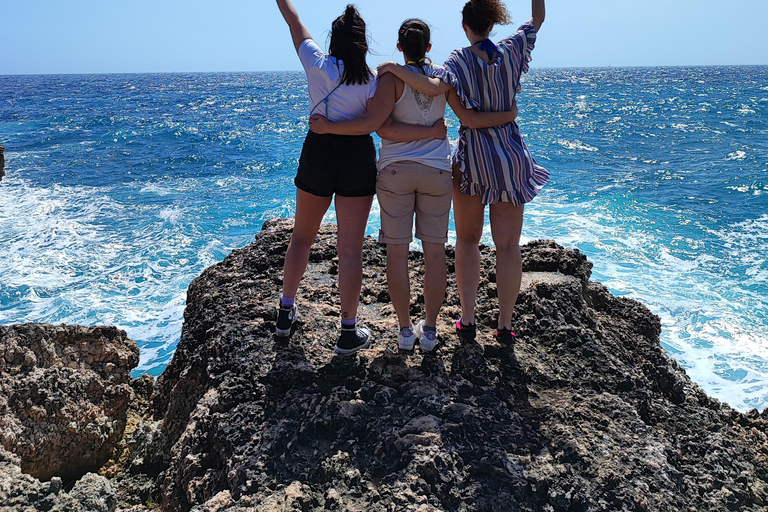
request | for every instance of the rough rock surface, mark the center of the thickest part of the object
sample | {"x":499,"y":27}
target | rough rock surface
{"x":64,"y":395}
{"x":2,"y":162}
{"x":137,"y":461}
{"x":20,"y":492}
{"x":584,"y":413}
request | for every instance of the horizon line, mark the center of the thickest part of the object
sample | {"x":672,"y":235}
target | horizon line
{"x":609,"y":66}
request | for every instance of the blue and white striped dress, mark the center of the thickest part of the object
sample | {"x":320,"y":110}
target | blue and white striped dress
{"x":495,"y":162}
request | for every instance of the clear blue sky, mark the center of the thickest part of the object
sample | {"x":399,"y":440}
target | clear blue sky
{"x":112,"y":36}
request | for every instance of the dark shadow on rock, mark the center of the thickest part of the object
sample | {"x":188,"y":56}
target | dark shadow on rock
{"x":584,"y":412}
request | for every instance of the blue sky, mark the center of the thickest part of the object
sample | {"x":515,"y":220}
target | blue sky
{"x":114,"y":36}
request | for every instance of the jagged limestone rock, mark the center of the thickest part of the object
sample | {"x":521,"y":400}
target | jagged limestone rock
{"x":64,"y":394}
{"x":584,"y":412}
{"x":20,"y":492}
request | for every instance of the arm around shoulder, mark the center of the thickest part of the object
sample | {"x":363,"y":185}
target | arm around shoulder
{"x":299,"y":32}
{"x":420,"y":82}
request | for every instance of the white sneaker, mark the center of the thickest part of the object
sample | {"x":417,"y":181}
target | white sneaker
{"x":427,"y":339}
{"x":406,"y":338}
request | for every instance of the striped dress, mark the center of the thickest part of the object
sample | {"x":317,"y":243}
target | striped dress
{"x":495,"y":162}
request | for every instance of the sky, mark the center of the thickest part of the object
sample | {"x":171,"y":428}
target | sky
{"x":137,"y":36}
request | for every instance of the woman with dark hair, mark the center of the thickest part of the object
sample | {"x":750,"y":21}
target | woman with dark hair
{"x":491,"y":166}
{"x":414,"y":178}
{"x":340,"y":85}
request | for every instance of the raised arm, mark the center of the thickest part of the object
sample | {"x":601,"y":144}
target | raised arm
{"x":473,"y":119}
{"x":379,"y":109}
{"x":299,"y":32}
{"x":539,"y":12}
{"x":422,"y":83}
{"x":403,"y":132}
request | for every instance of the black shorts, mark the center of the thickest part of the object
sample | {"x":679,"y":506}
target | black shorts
{"x":344,"y":165}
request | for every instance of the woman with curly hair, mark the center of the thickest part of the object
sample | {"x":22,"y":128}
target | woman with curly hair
{"x":492,"y":166}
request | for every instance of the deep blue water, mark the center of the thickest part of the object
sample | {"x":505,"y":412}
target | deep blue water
{"x":123,"y":188}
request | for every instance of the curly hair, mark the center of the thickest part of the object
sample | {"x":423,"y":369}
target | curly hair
{"x":479,"y":15}
{"x":349,"y":44}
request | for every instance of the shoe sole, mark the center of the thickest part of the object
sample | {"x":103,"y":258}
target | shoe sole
{"x":408,"y":347}
{"x":426,"y":348}
{"x":286,"y":333}
{"x":351,"y":351}
{"x":503,"y":341}
{"x":465,"y":336}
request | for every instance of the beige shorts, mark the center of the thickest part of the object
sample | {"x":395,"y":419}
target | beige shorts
{"x":404,"y":188}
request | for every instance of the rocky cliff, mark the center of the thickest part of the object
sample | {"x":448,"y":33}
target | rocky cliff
{"x":64,"y":397}
{"x":584,"y":412}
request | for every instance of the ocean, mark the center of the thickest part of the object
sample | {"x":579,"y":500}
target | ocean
{"x":122,"y":188}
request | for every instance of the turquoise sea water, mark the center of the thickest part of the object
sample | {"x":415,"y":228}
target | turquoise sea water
{"x":123,"y":188}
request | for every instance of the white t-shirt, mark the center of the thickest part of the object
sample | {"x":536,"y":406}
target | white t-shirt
{"x":323,"y":75}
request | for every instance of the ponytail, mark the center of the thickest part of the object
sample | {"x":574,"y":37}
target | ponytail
{"x":349,"y":45}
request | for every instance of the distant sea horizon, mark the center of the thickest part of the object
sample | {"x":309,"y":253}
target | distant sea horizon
{"x":384,"y":58}
{"x":123,"y":187}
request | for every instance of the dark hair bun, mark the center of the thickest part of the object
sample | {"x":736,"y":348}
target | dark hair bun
{"x":350,"y":13}
{"x":413,"y":37}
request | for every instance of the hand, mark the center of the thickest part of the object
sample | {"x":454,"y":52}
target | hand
{"x":441,"y":129}
{"x":386,"y":67}
{"x":319,"y":124}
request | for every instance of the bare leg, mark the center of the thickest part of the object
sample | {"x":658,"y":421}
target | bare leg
{"x":351,"y":217}
{"x":506,"y":227}
{"x":435,"y":276}
{"x":399,"y":283}
{"x":468,"y":213}
{"x":310,"y":210}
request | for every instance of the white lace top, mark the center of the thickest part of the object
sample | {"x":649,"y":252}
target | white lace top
{"x":420,"y":109}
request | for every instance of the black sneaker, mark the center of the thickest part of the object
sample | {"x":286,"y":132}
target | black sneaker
{"x":286,"y":317}
{"x":352,"y":340}
{"x":505,"y":336}
{"x":466,"y":333}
